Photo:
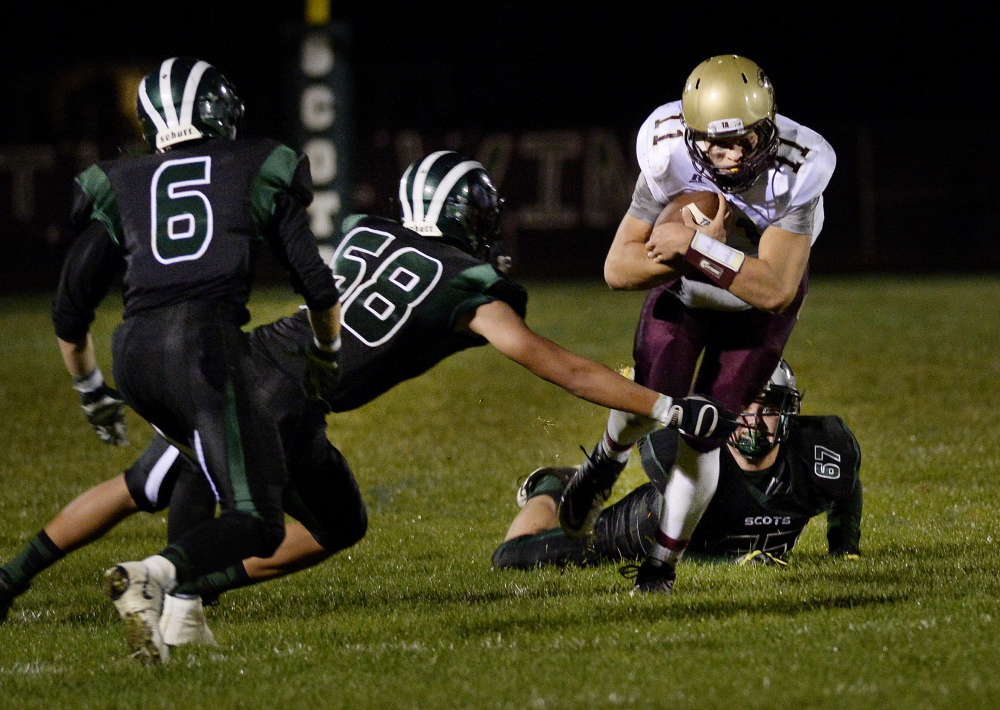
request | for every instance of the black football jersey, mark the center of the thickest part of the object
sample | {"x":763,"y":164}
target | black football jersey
{"x":817,"y":469}
{"x":401,"y":297}
{"x":190,"y":220}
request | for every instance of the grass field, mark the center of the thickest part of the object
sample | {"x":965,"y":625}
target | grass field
{"x":414,"y":616}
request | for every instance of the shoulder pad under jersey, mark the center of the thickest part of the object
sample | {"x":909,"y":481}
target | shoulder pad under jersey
{"x":494,"y":286}
{"x":829,"y":451}
{"x":804,"y":164}
{"x":283,"y":170}
{"x":94,"y":200}
{"x":663,"y":157}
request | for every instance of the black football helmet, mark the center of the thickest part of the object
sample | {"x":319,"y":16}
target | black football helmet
{"x":779,"y":396}
{"x":729,"y":100}
{"x":186,"y":99}
{"x":451,"y":197}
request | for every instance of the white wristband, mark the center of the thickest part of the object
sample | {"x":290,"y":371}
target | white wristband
{"x":717,"y":261}
{"x":331,"y":346}
{"x":89,"y":383}
{"x":662,"y":410}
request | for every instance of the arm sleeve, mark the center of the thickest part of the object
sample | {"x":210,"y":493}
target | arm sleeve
{"x":843,"y":523}
{"x":644,"y":206}
{"x":294,"y":245}
{"x":802,"y":219}
{"x":91,"y":267}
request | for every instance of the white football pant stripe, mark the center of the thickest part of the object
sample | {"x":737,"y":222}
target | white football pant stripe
{"x":204,"y":466}
{"x":157,"y":474}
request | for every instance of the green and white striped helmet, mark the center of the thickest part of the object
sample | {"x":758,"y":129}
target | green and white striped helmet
{"x":449,"y":196}
{"x":184,"y":100}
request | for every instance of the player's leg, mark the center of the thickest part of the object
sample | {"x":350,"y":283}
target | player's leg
{"x":89,"y":516}
{"x":741,"y":353}
{"x":692,"y":483}
{"x":188,"y":371}
{"x":323,"y":496}
{"x":325,"y":500}
{"x":237,"y":446}
{"x":622,"y":531}
{"x":667,"y":345}
{"x":534,"y":537}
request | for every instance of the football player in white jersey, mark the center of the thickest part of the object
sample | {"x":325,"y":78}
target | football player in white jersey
{"x":718,"y":313}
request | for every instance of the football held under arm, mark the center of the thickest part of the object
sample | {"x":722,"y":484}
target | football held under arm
{"x":627,"y":266}
{"x":768,"y":281}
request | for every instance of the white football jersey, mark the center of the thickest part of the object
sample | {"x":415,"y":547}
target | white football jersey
{"x":789,"y":195}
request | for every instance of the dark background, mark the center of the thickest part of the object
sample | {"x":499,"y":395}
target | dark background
{"x":906,"y":98}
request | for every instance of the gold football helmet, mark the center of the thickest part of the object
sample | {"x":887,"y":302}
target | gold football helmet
{"x":729,"y":101}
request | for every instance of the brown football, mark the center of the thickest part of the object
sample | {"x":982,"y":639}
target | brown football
{"x":706,"y":202}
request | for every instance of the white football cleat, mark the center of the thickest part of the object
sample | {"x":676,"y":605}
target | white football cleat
{"x":138,"y":597}
{"x":183,"y":622}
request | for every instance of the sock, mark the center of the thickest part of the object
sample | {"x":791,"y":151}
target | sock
{"x":39,"y":554}
{"x":549,"y":485}
{"x":667,"y":550}
{"x":623,"y":430}
{"x":607,"y":448}
{"x":214,"y":584}
{"x":685,"y":499}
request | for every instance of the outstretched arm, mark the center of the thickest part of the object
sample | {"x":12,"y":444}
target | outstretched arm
{"x":506,"y":330}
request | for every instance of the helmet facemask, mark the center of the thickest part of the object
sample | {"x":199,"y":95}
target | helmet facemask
{"x":759,"y":143}
{"x":765,"y":424}
{"x":729,"y":101}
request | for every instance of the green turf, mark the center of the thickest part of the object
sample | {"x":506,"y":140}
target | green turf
{"x":414,"y":617}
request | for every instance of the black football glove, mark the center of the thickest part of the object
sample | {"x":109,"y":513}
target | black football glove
{"x":701,"y":417}
{"x":105,"y":410}
{"x":322,"y":371}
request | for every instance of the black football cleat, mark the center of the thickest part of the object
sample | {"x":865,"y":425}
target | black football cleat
{"x":652,"y":576}
{"x":586,"y":493}
{"x":8,"y":593}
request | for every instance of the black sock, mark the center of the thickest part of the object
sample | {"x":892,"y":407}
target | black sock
{"x":40,"y":553}
{"x":214,"y":584}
